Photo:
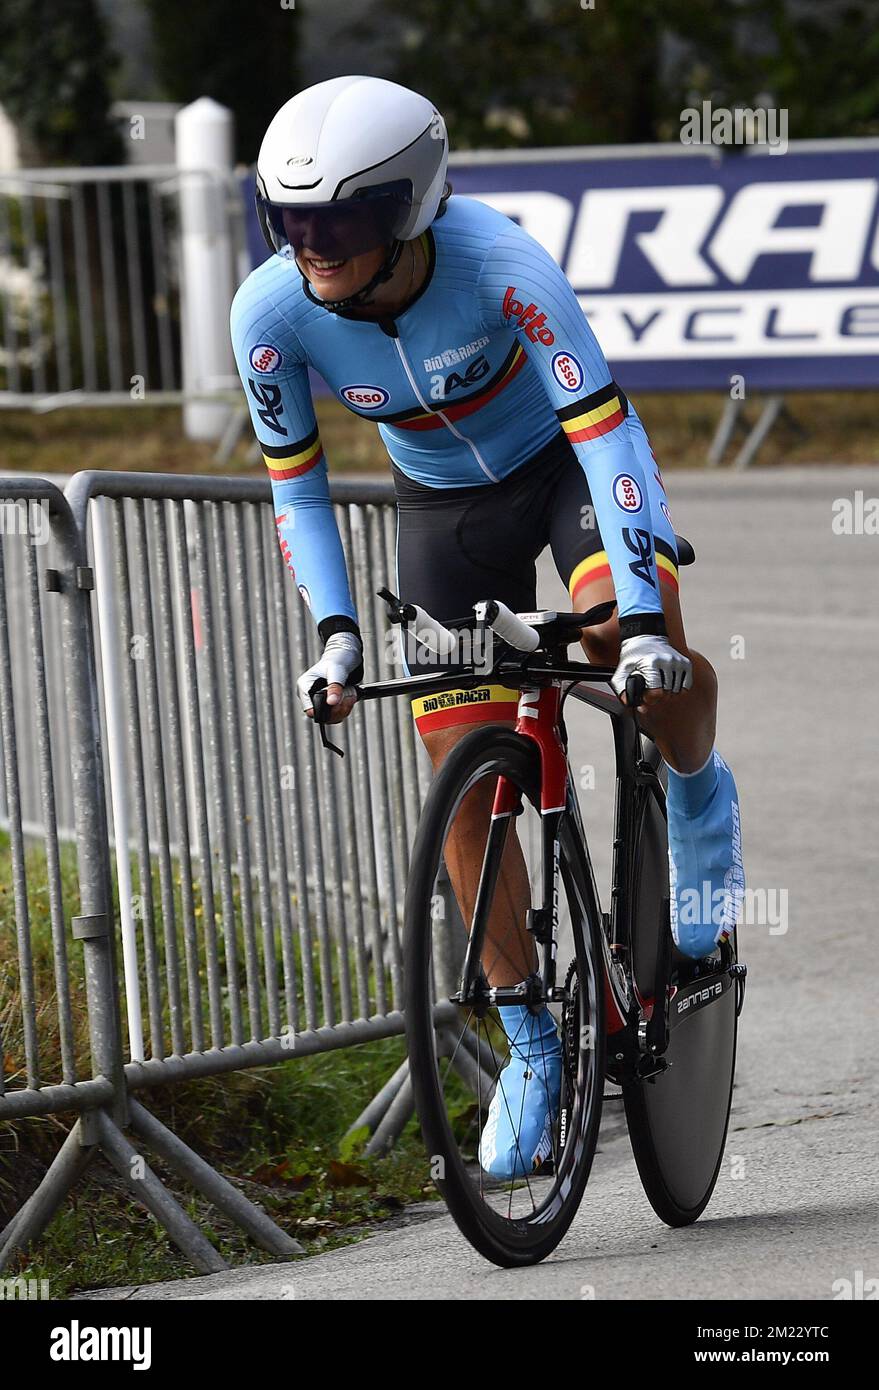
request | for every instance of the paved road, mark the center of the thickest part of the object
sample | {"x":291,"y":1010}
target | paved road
{"x":787,"y":611}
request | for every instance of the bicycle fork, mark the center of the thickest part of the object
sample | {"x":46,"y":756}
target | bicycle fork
{"x":538,"y":717}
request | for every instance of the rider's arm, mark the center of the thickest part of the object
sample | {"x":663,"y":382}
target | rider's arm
{"x":275,"y":379}
{"x":521,"y":287}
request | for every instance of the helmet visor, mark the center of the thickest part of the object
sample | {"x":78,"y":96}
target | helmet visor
{"x":340,"y":230}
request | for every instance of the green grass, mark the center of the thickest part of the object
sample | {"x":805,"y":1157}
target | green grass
{"x":279,"y":1133}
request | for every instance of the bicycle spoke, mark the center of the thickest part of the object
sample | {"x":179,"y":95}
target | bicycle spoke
{"x":493,"y":872}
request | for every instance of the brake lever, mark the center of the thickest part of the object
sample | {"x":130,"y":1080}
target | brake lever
{"x":635,"y":688}
{"x":321,"y":712}
{"x":398,"y":611}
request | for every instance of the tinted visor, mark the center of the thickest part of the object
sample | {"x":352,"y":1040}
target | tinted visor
{"x":343,"y":229}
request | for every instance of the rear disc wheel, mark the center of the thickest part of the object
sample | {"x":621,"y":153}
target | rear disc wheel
{"x":678,"y":1120}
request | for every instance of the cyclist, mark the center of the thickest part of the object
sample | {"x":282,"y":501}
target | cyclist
{"x":453,"y":329}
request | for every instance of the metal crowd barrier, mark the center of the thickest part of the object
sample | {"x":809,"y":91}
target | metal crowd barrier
{"x":148,"y":655}
{"x":42,"y":1066}
{"x":92,"y":297}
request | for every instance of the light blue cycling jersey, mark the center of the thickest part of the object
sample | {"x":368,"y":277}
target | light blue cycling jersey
{"x":483,"y":367}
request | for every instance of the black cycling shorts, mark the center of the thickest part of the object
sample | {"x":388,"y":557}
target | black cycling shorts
{"x":458,"y":545}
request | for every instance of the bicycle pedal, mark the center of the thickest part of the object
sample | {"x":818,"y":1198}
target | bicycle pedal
{"x":650,"y":1067}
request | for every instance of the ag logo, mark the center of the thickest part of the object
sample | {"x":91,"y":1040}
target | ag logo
{"x":269,"y":404}
{"x":663,"y":507}
{"x":265,"y":358}
{"x":365,"y":397}
{"x":299,"y":160}
{"x":626,"y":493}
{"x":641,"y":544}
{"x":477,"y":369}
{"x":567,"y":371}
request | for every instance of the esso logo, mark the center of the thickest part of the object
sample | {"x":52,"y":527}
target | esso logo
{"x":626,"y":493}
{"x":567,"y":371}
{"x":265,"y":358}
{"x":365,"y":397}
{"x":665,"y":512}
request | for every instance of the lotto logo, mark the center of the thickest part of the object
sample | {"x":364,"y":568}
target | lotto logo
{"x":529,"y":318}
{"x":365,"y":397}
{"x":626,"y":493}
{"x":567,"y":371}
{"x":264,"y":358}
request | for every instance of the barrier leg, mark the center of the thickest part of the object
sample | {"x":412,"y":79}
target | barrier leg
{"x":729,"y":422}
{"x":151,"y":1193}
{"x":370,"y":1117}
{"x":752,"y":445}
{"x":28,"y":1224}
{"x":469,"y":1065}
{"x":396,"y":1118}
{"x":187,"y":1164}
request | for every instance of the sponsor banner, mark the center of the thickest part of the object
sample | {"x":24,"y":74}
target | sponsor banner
{"x":697,"y":266}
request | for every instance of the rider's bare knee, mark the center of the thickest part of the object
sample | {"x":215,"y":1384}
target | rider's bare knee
{"x":602,"y":643}
{"x":440,"y":742}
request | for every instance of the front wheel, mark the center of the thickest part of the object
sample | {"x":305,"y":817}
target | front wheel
{"x":456,"y":1049}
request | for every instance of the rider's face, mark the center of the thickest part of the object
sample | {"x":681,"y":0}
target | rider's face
{"x":339,"y":279}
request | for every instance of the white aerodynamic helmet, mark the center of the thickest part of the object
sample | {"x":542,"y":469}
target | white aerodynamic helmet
{"x":350,"y":165}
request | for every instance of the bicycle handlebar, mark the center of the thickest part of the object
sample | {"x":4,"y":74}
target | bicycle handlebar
{"x":507,"y":624}
{"x":408,"y":613}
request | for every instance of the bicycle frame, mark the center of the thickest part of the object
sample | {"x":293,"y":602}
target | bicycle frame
{"x":637,"y":1033}
{"x":539,"y":718}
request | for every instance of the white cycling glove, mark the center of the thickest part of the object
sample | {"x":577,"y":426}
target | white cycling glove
{"x":656,"y":660}
{"x":342,"y":657}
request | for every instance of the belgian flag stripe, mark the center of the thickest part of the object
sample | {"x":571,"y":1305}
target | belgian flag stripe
{"x":286,"y":451}
{"x":594,"y":423}
{"x":593,"y":567}
{"x":585,"y":404}
{"x":295,"y":460}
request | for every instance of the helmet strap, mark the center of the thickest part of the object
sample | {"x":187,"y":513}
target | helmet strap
{"x":356,"y":301}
